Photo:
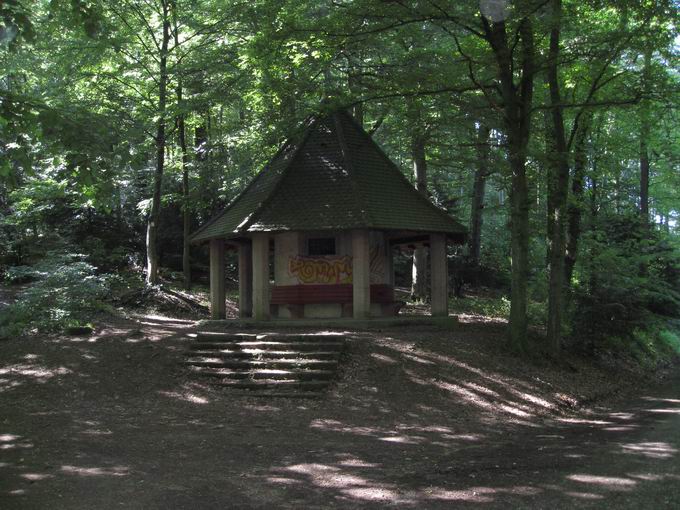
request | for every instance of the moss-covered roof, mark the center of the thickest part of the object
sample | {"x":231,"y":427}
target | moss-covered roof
{"x":334,"y":178}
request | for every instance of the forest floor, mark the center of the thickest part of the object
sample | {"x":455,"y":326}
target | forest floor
{"x":419,"y":418}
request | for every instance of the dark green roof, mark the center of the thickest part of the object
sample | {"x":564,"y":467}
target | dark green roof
{"x":334,"y":178}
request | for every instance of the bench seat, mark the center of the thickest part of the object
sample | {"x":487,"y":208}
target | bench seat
{"x":296,"y":296}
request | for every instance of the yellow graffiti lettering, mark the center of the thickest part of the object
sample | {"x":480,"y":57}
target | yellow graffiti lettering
{"x":324,"y":270}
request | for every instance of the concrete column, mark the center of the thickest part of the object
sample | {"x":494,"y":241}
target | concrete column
{"x":361,"y":274}
{"x":261,"y":276}
{"x":389,"y":261}
{"x":245,"y":280}
{"x":440,"y":275}
{"x":218,"y":309}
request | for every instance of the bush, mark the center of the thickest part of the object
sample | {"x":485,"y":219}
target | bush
{"x":629,"y":287}
{"x":22,"y":274}
{"x":68,"y":291}
{"x":488,"y":306}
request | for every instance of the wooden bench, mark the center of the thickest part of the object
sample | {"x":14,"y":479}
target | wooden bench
{"x":296,"y":296}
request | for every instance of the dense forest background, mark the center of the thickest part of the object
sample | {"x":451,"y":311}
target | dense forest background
{"x":550,"y":127}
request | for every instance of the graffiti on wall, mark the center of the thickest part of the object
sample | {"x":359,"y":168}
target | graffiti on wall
{"x":334,"y":269}
{"x":322,"y":270}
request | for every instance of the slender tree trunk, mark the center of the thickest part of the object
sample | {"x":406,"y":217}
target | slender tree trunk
{"x":478,"y":191}
{"x":558,"y":188}
{"x":644,"y":176}
{"x":644,"y":138}
{"x":186,"y":206}
{"x":419,"y":269}
{"x":357,"y":111}
{"x":181,"y":133}
{"x":154,"y":216}
{"x":575,"y":206}
{"x":594,"y":193}
{"x":201,"y":141}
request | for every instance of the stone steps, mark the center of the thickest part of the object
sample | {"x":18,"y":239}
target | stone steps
{"x":261,"y":364}
{"x":263,"y":354}
{"x":215,"y":336}
{"x":265,"y":373}
{"x":276,"y":365}
{"x":269,"y":346}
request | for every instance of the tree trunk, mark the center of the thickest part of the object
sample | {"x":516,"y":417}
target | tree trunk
{"x":575,"y":206}
{"x":478,"y":190}
{"x":517,"y":103}
{"x":558,"y":188}
{"x":181,"y":129}
{"x":186,"y":211}
{"x":357,"y":110}
{"x":154,"y":215}
{"x":419,"y":269}
{"x":644,"y":138}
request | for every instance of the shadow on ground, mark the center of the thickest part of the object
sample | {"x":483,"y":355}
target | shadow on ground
{"x":420,"y":418}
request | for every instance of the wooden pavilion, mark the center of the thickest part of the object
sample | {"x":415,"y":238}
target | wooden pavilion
{"x":328,"y":210}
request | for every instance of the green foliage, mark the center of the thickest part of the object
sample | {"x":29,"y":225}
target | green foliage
{"x":670,"y":339}
{"x":68,"y":292}
{"x":657,"y":342}
{"x":22,"y":274}
{"x":489,"y":306}
{"x":629,"y":275}
{"x":79,"y":103}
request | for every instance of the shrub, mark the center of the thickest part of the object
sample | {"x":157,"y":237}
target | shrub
{"x":68,"y":291}
{"x":628,"y":277}
{"x":22,"y":274}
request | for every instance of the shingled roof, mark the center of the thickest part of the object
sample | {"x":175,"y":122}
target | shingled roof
{"x":335,"y":177}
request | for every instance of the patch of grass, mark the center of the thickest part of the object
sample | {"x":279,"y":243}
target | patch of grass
{"x":655,"y":343}
{"x":671,"y":340}
{"x":488,"y":306}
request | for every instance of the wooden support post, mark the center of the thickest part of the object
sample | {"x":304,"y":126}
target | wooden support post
{"x":261,"y":276}
{"x":361,"y":274}
{"x":218,"y":309}
{"x":440,"y":275}
{"x":389,"y":261}
{"x":245,"y":280}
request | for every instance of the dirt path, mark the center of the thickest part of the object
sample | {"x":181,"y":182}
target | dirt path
{"x":623,"y":457}
{"x":420,"y":419}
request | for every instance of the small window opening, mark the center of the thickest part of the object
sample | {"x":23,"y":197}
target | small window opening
{"x":321,"y":246}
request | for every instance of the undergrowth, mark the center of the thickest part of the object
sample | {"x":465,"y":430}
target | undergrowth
{"x":65,"y":292}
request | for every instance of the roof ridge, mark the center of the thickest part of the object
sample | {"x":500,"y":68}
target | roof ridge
{"x":393,"y":165}
{"x":284,"y":172}
{"x":361,"y":200}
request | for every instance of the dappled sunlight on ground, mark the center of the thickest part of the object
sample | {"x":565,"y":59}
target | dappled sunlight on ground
{"x":187,"y":393}
{"x":29,"y":370}
{"x":420,"y":418}
{"x":95,"y":471}
{"x":651,"y":450}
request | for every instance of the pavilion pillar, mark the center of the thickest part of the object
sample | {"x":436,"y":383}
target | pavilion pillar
{"x":361,"y":274}
{"x":261,"y":276}
{"x":389,"y":261}
{"x":218,"y":296}
{"x":245,"y":280}
{"x":439,"y":274}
